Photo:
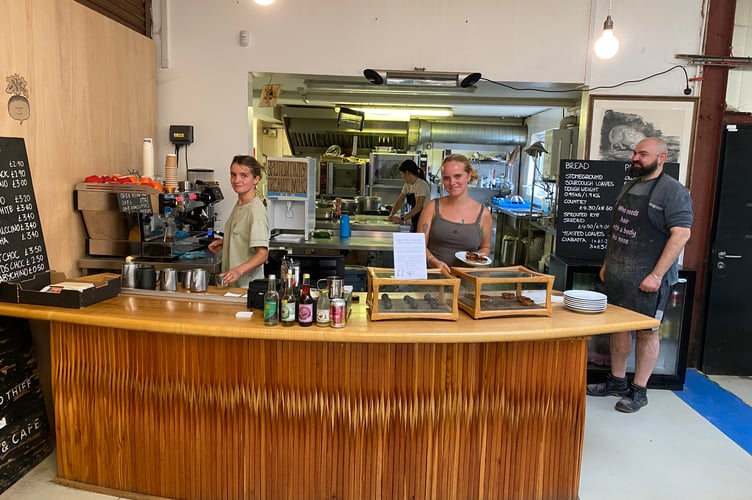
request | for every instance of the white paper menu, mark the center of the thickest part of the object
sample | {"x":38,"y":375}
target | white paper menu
{"x":410,"y":256}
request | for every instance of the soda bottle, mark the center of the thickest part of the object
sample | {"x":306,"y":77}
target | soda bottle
{"x":271,"y":301}
{"x":322,"y":308}
{"x":287,"y":309}
{"x":305,"y":302}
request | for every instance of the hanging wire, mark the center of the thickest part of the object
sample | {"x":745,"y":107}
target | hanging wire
{"x":588,"y":89}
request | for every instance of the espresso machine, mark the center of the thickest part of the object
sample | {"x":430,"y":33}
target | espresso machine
{"x":133,"y":220}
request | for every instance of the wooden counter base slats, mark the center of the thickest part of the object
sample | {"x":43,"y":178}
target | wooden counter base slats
{"x":317,"y":420}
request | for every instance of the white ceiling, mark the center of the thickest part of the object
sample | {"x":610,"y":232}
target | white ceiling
{"x":485,"y":101}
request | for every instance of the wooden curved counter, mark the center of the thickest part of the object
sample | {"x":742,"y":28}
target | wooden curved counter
{"x":177,"y":398}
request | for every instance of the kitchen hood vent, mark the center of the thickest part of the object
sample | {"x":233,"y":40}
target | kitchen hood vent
{"x":310,"y":131}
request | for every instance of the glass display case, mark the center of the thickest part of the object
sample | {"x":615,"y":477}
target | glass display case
{"x":670,"y":369}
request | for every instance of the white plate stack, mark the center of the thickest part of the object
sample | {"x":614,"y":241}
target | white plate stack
{"x":585,"y":301}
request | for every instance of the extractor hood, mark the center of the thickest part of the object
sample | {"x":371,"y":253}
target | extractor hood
{"x":312,"y":130}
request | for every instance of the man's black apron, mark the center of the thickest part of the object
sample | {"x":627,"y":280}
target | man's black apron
{"x":410,"y":198}
{"x":634,"y":247}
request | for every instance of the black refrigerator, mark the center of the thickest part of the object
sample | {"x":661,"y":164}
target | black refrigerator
{"x":671,"y":367}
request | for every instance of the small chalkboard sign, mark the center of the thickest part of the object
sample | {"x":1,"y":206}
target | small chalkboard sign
{"x":22,"y":250}
{"x":134,"y":203}
{"x":587,"y":192}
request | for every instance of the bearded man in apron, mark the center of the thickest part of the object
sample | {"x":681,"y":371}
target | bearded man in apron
{"x":649,"y":228}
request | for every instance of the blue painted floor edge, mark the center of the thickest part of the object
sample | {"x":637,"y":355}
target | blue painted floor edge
{"x":724,"y":410}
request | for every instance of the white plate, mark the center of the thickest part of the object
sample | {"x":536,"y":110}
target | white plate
{"x":461,"y":256}
{"x":585,"y":311}
{"x":600,"y":303}
{"x":585,"y":294}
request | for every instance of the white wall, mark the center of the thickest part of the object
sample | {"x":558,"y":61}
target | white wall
{"x":738,"y":96}
{"x":206,"y":84}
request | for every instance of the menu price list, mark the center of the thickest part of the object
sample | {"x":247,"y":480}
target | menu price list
{"x":587,"y":191}
{"x":22,"y":250}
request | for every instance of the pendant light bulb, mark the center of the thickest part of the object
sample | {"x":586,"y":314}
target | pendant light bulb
{"x":607,"y":45}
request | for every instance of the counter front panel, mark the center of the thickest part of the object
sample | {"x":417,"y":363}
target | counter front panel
{"x":201,"y":417}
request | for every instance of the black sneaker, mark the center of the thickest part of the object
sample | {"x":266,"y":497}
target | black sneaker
{"x":634,"y":400}
{"x":613,"y":386}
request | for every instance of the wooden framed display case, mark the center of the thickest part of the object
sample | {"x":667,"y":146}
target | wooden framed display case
{"x":504,"y":291}
{"x":392,"y":298}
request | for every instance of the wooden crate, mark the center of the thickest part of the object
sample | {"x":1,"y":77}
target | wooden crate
{"x":440,"y":285}
{"x":501,"y":291}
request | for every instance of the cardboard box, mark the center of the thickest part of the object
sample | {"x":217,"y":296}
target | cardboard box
{"x":29,"y":291}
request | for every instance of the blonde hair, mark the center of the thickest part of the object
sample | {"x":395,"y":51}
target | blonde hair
{"x":462,"y":159}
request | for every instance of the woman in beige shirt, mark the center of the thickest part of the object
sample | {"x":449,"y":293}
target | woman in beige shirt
{"x":245,"y":246}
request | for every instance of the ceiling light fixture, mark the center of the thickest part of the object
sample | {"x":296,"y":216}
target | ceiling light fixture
{"x":419,"y":77}
{"x":264,"y":2}
{"x":388,"y":113}
{"x":607,"y":45}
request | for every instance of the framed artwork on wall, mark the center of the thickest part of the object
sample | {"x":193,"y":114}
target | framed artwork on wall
{"x":616,"y":123}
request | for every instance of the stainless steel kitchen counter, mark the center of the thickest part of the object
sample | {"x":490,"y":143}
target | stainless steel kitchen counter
{"x":374,"y":223}
{"x":359,"y":240}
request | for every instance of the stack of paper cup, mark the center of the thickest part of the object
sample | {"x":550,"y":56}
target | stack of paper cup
{"x":147,"y":168}
{"x":171,"y":172}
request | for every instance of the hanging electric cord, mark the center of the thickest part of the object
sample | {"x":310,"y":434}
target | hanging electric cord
{"x":687,"y":90}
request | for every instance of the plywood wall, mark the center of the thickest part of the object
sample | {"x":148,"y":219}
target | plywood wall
{"x":92,"y":95}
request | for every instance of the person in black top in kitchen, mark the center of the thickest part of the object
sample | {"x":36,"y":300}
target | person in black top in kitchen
{"x":650,"y":225}
{"x":416,"y":192}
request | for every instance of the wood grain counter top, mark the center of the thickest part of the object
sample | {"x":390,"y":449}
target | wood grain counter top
{"x":197,"y":316}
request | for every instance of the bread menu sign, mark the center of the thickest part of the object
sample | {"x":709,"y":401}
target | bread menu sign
{"x":587,"y":192}
{"x":22,"y":250}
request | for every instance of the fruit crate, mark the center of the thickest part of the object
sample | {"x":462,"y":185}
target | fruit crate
{"x":392,"y":298}
{"x":504,"y":291}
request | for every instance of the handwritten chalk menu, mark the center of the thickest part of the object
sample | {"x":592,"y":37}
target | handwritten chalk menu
{"x":22,"y":250}
{"x":587,"y":192}
{"x":134,"y":202}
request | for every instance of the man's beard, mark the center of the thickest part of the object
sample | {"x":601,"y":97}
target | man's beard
{"x":640,"y":170}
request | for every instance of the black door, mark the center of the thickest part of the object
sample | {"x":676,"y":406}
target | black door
{"x":728,"y":331}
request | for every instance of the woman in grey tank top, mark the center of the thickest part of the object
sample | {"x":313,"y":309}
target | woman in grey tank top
{"x":455,"y":222}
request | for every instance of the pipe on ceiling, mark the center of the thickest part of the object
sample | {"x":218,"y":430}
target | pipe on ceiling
{"x":467,"y":133}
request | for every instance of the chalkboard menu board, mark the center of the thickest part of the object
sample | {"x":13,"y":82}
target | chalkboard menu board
{"x":587,"y":192}
{"x":22,"y":250}
{"x":134,"y":202}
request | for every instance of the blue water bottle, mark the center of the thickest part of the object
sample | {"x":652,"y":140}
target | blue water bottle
{"x":344,"y":226}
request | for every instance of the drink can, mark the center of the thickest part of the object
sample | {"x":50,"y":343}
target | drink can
{"x":338,"y":313}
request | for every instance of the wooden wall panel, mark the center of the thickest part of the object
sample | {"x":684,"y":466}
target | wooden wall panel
{"x":210,"y":417}
{"x":92,"y":92}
